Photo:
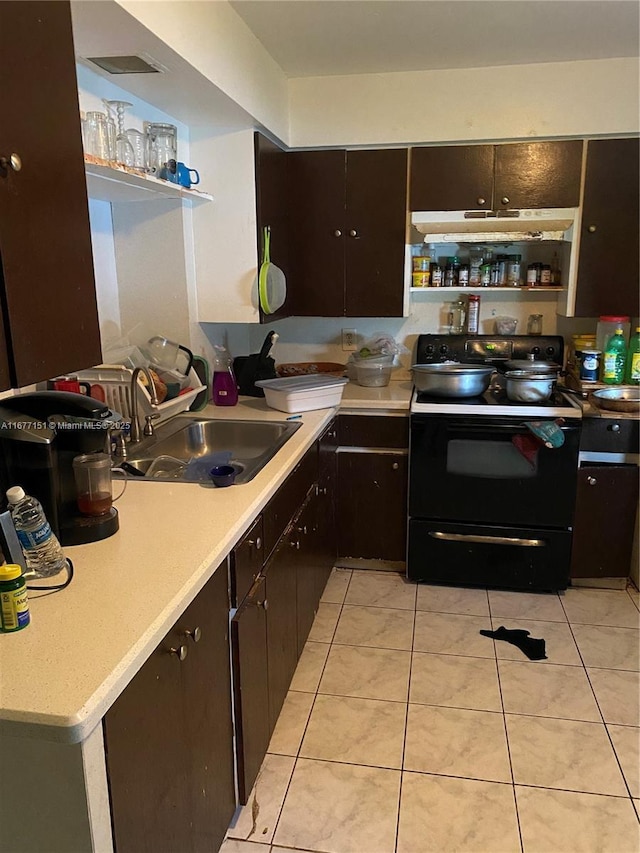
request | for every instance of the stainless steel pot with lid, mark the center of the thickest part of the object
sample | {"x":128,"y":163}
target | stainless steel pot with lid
{"x":533,"y":365}
{"x":451,"y":379}
{"x":525,"y":386}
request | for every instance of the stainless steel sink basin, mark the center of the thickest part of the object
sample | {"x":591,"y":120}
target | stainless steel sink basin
{"x":185,"y":448}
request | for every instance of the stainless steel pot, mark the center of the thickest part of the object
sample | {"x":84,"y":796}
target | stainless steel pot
{"x":523,"y":386}
{"x":452,"y":380}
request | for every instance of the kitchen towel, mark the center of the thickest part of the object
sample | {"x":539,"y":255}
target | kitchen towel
{"x":534,"y":649}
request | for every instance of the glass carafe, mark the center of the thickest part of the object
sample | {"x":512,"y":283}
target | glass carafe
{"x":92,"y":473}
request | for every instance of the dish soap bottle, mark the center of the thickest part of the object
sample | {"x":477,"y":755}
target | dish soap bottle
{"x":614,"y":359}
{"x":225,"y":388}
{"x":633,"y":359}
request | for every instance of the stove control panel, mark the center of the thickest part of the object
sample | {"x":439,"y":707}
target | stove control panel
{"x":488,"y":348}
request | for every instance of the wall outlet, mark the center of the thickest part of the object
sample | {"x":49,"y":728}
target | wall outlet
{"x":349,"y":340}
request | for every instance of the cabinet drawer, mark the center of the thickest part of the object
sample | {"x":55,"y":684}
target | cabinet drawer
{"x":610,"y":435}
{"x":373,"y":431}
{"x":289,"y":498}
{"x":246,"y":561}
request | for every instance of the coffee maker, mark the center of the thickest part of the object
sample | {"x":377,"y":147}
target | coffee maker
{"x":40,"y":435}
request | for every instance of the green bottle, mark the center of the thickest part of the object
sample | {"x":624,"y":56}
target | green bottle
{"x":615,"y":355}
{"x":633,"y":359}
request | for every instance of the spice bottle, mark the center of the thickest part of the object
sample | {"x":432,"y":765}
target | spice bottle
{"x":452,"y":271}
{"x":473,"y":314}
{"x":14,"y":607}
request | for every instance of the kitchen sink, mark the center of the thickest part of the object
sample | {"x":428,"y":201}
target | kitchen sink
{"x":186,"y":448}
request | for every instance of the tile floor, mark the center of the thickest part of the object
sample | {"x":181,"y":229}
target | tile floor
{"x":406,"y":731}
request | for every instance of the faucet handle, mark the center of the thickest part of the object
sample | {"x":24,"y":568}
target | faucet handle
{"x":148,"y":426}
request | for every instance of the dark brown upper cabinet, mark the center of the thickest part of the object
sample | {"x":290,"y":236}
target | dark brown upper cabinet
{"x":495,"y":177}
{"x":272,"y":210}
{"x":50,"y":319}
{"x":347,"y":232}
{"x":608,"y":270}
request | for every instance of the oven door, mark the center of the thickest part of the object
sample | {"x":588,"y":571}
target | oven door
{"x":467,"y":468}
{"x":488,"y":555}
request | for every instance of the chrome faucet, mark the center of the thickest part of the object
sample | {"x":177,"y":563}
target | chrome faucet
{"x":135,"y":420}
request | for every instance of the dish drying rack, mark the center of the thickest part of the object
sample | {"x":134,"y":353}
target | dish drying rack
{"x":116,"y":382}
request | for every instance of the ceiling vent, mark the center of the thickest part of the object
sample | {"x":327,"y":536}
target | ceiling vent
{"x":127,"y":64}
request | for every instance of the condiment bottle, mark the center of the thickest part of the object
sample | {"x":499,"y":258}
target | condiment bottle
{"x":614,"y":359}
{"x":633,"y":359}
{"x":451,"y":272}
{"x":473,"y":314}
{"x":14,"y":606}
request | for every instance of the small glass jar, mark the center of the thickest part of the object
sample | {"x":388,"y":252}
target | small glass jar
{"x":534,"y":324}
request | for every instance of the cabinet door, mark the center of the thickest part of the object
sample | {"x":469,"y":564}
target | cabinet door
{"x":246,"y":561}
{"x":608,"y":262}
{"x":45,"y":241}
{"x":206,"y":696}
{"x":317,"y":243}
{"x":146,"y":758}
{"x":537,"y":174}
{"x":452,"y":177}
{"x":304,"y":539}
{"x":375,"y":232}
{"x":372,"y":505}
{"x":251,"y":688}
{"x":326,"y":518}
{"x":272,"y":210}
{"x":606,"y":506}
{"x":282,"y":626}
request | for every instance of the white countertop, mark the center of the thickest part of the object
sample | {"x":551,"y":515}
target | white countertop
{"x":85,"y":643}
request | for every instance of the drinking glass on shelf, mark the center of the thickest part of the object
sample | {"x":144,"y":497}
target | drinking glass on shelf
{"x":124,"y":151}
{"x":162,"y":142}
{"x":138,"y":142}
{"x":96,"y":135}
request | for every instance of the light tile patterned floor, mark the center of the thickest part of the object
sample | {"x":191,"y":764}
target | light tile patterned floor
{"x":406,"y":731}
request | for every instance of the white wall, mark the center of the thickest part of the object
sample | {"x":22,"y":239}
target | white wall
{"x":216,"y":42}
{"x":506,"y":103}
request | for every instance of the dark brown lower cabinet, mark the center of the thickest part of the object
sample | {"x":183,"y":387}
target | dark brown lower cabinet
{"x":606,"y":507}
{"x":282,"y":623}
{"x":168,"y":737}
{"x":372,"y":505}
{"x":251,"y":685}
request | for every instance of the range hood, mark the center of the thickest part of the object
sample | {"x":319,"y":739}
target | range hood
{"x":483,"y":226}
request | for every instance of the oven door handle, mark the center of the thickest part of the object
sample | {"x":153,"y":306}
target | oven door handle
{"x":487,"y":427}
{"x":487,"y":540}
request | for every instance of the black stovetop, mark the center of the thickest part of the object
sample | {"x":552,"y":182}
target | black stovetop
{"x":488,"y":349}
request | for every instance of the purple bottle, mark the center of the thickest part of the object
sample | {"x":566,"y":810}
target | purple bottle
{"x":225,"y":388}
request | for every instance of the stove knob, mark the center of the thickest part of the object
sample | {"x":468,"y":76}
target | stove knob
{"x":535,"y":350}
{"x":429,"y":349}
{"x":444,"y":349}
{"x":550,"y":351}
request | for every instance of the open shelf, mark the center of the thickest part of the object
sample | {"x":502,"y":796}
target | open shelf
{"x":107,"y":182}
{"x":541,"y":289}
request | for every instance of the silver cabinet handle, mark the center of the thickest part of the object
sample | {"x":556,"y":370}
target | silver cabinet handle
{"x":295,"y":543}
{"x":592,"y":228}
{"x":337,"y":233}
{"x":255,"y":543}
{"x":264,"y":604}
{"x":395,"y":466}
{"x":181,"y":652}
{"x":505,"y":200}
{"x":353,"y":233}
{"x":592,"y":481}
{"x":302,"y":529}
{"x":196,"y":634}
{"x":615,"y":427}
{"x":481,"y":200}
{"x":481,"y":540}
{"x":12,"y":162}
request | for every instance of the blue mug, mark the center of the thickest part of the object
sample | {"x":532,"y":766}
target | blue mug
{"x":178,"y":173}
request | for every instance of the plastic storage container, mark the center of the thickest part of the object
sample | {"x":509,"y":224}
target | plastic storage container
{"x":302,"y":393}
{"x":373,"y":375}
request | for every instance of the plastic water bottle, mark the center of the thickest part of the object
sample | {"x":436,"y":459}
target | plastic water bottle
{"x":42,"y":551}
{"x":633,"y":359}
